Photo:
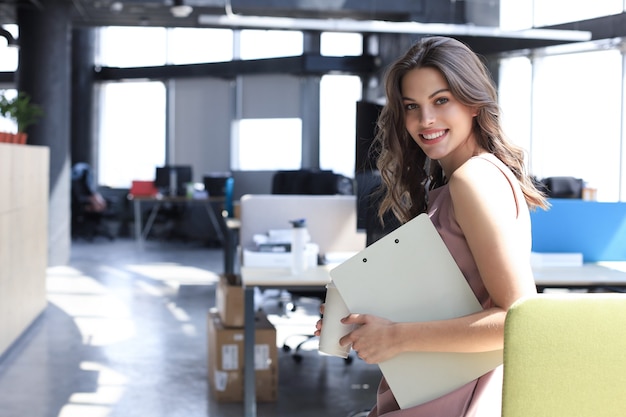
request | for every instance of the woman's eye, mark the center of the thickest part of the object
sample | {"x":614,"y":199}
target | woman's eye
{"x":410,"y":106}
{"x":442,"y":100}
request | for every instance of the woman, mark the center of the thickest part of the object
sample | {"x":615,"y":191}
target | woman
{"x":442,"y":151}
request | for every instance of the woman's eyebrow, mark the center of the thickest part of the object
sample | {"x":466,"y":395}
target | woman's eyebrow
{"x":443,"y":90}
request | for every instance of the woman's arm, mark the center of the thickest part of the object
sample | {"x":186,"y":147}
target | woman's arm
{"x":498,"y":234}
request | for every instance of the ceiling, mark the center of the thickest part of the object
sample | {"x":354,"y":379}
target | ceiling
{"x":441,"y":17}
{"x":158,"y":12}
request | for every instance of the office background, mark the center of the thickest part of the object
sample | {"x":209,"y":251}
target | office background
{"x":564,"y":104}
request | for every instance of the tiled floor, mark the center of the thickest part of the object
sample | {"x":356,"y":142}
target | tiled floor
{"x":124,"y":335}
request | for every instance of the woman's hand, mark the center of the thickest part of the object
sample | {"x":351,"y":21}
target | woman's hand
{"x":318,"y":325}
{"x":373,"y":340}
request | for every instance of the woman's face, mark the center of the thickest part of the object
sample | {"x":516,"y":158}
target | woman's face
{"x":436,"y":120}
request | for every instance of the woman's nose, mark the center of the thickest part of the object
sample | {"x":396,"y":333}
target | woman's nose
{"x":428,"y":117}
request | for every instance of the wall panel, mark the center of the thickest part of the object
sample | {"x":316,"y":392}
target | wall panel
{"x":24,"y":173}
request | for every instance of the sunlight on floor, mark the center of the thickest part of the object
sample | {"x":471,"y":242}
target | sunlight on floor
{"x":170,"y":272}
{"x":100,"y":316}
{"x":110,"y":388}
{"x":103,"y":318}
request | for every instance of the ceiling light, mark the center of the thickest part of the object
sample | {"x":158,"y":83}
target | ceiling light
{"x":179,"y":9}
{"x":117,"y":6}
{"x":378,"y":26}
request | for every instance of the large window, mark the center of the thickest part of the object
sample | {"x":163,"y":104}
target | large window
{"x":257,"y":44}
{"x":341,"y":44}
{"x":132,"y":132}
{"x":338,"y":97}
{"x":118,"y":46}
{"x":515,"y":96}
{"x":565,"y":108}
{"x":577,"y":118}
{"x":132,"y":119}
{"x":193,"y":45}
{"x":263,"y":127}
{"x":267,"y":144}
{"x":8,"y":54}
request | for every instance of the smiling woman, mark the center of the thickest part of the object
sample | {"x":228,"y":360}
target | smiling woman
{"x":443,"y":152}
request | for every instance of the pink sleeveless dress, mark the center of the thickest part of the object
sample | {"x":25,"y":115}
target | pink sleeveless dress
{"x":483,"y":396}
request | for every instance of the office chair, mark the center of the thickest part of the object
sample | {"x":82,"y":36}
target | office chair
{"x":564,"y":356}
{"x":89,"y":209}
{"x":311,"y":182}
{"x":308,"y":337}
{"x":166,"y":223}
{"x":563,"y":187}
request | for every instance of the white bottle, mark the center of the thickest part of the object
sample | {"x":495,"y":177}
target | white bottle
{"x":298,"y":244}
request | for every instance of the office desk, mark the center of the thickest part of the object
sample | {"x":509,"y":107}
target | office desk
{"x":158,"y":201}
{"x":589,"y":276}
{"x":280,"y":278}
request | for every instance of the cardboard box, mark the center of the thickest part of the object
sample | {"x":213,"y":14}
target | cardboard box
{"x":229,"y":300}
{"x":226,"y":359}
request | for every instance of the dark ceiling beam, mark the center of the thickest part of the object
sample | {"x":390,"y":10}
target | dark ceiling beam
{"x":605,"y":27}
{"x":7,"y":77}
{"x":298,"y":65}
{"x":492,"y":46}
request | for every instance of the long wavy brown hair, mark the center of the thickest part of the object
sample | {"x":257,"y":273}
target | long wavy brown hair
{"x":407,"y":173}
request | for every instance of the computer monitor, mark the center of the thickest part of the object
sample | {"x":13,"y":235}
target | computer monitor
{"x":367,"y":177}
{"x":216,"y":183}
{"x":172,"y":179}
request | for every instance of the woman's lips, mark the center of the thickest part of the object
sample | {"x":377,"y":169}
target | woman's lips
{"x":433,"y":136}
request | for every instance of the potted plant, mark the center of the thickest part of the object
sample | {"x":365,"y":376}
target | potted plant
{"x":23,"y":112}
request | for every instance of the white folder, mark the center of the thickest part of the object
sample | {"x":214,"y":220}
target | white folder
{"x":409,"y":275}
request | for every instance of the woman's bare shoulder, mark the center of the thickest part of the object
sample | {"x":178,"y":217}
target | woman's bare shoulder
{"x":478,"y":173}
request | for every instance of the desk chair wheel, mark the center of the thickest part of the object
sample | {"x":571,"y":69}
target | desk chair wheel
{"x":297,"y":356}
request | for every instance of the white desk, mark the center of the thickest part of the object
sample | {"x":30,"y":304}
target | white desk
{"x":158,"y":201}
{"x":588,"y":276}
{"x":281,"y":278}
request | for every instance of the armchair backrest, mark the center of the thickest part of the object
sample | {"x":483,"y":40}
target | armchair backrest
{"x":565,"y":355}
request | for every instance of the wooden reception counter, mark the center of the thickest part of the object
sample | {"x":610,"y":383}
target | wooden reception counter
{"x":24,"y":183}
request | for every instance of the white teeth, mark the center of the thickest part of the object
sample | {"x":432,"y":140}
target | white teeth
{"x":434,"y":135}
